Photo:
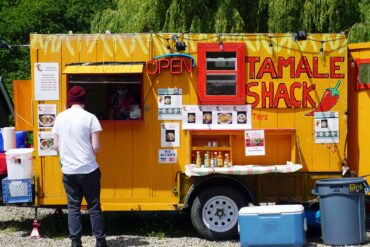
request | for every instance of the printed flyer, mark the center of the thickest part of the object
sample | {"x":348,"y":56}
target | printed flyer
{"x":222,"y":117}
{"x":169,"y":103}
{"x":167,"y":156}
{"x":46,"y":114}
{"x":46,"y":144}
{"x":326,"y":127}
{"x":46,"y":81}
{"x":170,"y":135}
{"x":254,"y":142}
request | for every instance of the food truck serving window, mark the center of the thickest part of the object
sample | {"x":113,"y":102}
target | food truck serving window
{"x":221,"y":73}
{"x":363,"y":73}
{"x":111,"y":96}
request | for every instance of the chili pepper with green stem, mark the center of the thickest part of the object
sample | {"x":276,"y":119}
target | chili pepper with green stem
{"x":328,"y":100}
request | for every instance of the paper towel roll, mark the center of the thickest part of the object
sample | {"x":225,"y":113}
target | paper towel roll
{"x":8,"y":138}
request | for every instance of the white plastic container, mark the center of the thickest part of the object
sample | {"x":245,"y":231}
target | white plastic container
{"x":272,"y":225}
{"x":8,"y":138}
{"x":19,"y":163}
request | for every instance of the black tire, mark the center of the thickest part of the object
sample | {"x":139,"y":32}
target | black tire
{"x":220,"y":206}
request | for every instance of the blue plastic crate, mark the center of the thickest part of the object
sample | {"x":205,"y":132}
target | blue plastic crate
{"x":17,"y":190}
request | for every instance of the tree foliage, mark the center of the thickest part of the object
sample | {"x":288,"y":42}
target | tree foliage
{"x":360,"y":31}
{"x":19,"y":18}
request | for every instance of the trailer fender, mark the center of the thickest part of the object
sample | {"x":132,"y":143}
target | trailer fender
{"x":218,"y":180}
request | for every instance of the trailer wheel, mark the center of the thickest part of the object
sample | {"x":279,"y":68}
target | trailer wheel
{"x":214,"y":212}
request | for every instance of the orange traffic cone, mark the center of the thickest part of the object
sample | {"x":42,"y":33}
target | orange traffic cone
{"x":35,"y":230}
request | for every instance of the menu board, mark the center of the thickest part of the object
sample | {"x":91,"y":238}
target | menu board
{"x":221,"y":117}
{"x":46,"y":81}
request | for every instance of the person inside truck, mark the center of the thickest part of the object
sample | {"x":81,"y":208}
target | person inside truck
{"x":120,"y":102}
{"x":76,"y":137}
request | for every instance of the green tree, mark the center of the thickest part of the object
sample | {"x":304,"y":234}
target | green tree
{"x":329,"y":16}
{"x":19,"y":18}
{"x":360,"y":31}
{"x":284,"y":15}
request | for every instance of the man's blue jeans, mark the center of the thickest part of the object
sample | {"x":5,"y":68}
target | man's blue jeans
{"x":78,"y":186}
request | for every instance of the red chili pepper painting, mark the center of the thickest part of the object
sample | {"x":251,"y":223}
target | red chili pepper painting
{"x":328,"y":100}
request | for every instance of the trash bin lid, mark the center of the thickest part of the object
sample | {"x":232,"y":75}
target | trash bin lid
{"x":339,"y":181}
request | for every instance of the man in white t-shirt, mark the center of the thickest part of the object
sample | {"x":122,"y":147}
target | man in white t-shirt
{"x":76,"y":136}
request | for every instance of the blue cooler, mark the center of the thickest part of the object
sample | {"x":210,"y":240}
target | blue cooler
{"x":272,"y":225}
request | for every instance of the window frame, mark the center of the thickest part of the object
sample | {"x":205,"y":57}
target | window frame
{"x":239,"y":97}
{"x":358,"y":62}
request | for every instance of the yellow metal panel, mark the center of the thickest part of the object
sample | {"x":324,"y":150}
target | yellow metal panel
{"x":87,"y":49}
{"x":22,"y":98}
{"x":122,"y":167}
{"x":164,"y":177}
{"x":106,"y":159}
{"x":139,"y":206}
{"x":104,"y":69}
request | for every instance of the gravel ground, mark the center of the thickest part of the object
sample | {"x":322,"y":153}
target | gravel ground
{"x":134,"y":229}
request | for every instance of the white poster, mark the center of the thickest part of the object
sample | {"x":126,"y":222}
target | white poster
{"x":169,"y":103}
{"x":46,"y":144}
{"x":326,"y":127}
{"x":46,"y":81}
{"x":46,"y":114}
{"x":170,"y":135}
{"x":254,"y":142}
{"x":222,"y":117}
{"x":167,"y":156}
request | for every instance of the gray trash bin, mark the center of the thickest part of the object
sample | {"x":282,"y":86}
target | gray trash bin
{"x":342,"y":210}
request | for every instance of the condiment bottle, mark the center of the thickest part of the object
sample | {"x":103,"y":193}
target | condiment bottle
{"x":212,"y":160}
{"x":198,"y":161}
{"x":227,"y":160}
{"x":207,"y":162}
{"x":220,"y":160}
{"x":215,"y":158}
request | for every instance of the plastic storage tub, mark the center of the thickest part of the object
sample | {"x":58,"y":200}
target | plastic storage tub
{"x":272,"y":225}
{"x":342,"y":209}
{"x":19,"y":163}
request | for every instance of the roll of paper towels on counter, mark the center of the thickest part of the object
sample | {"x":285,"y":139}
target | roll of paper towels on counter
{"x":8,"y":138}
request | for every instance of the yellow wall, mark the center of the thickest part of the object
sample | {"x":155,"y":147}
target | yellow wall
{"x":132,"y":177}
{"x":359,"y":115}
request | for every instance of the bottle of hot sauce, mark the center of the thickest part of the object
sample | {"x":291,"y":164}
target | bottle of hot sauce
{"x":198,"y":161}
{"x":220,"y":160}
{"x":207,"y":162}
{"x":227,"y":160}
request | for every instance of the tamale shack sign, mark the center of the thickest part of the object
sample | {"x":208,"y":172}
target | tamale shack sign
{"x":298,"y":93}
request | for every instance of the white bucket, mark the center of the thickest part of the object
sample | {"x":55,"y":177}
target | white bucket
{"x":8,"y":138}
{"x":19,"y":163}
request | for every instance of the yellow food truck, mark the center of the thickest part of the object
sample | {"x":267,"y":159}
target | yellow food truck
{"x":207,"y":123}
